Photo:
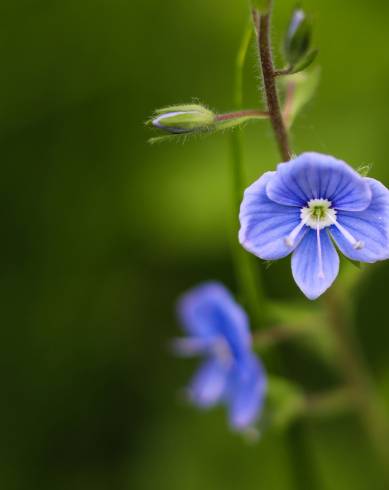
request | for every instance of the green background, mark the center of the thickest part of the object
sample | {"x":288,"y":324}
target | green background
{"x":101,"y":233}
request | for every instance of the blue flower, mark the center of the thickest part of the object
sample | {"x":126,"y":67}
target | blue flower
{"x":217,"y":328}
{"x":305,"y":206}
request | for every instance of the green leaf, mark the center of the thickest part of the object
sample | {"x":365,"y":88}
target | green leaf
{"x":301,"y":87}
{"x":305,"y":62}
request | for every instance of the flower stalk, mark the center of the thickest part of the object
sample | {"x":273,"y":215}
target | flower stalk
{"x":262,"y":25}
{"x":249,"y":113}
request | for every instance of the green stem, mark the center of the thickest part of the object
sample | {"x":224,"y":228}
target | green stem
{"x":248,"y":279}
{"x":303,"y":474}
{"x":239,"y":65}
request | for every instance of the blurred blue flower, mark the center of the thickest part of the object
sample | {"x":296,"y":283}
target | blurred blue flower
{"x":306,"y":205}
{"x":217,"y":328}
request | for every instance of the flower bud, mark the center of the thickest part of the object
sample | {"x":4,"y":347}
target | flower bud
{"x":181,"y":119}
{"x":298,"y":37}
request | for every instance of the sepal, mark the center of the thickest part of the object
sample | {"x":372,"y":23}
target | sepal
{"x":297,"y":43}
{"x":183,"y":119}
{"x":298,"y":37}
{"x":305,"y":62}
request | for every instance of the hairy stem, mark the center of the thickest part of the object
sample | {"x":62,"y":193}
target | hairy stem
{"x":244,"y":113}
{"x":248,"y":279}
{"x":262,"y":25}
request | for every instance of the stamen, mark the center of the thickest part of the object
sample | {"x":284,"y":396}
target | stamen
{"x":319,"y":252}
{"x":357,"y":244}
{"x":289,"y":240}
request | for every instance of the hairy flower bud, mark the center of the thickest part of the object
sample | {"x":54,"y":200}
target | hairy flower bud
{"x":181,"y":119}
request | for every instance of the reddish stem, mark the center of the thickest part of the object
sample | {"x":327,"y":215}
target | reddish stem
{"x":262,"y":25}
{"x":235,"y":115}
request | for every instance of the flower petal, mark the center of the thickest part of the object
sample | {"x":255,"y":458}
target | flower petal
{"x":370,"y":226}
{"x":210,"y":311}
{"x":207,"y":386}
{"x":316,"y":176}
{"x":265,"y":224}
{"x":306,"y":264}
{"x":245,"y":393}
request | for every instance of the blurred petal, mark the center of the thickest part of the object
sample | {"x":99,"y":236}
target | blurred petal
{"x":208,"y":384}
{"x":246,"y":393}
{"x":210,"y":311}
{"x":306,"y":264}
{"x":265,"y":224}
{"x":316,"y":176}
{"x":370,"y":226}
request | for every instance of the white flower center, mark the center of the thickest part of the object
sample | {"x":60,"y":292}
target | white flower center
{"x":319,"y":214}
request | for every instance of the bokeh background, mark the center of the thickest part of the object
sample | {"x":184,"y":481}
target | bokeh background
{"x":101,"y":232}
